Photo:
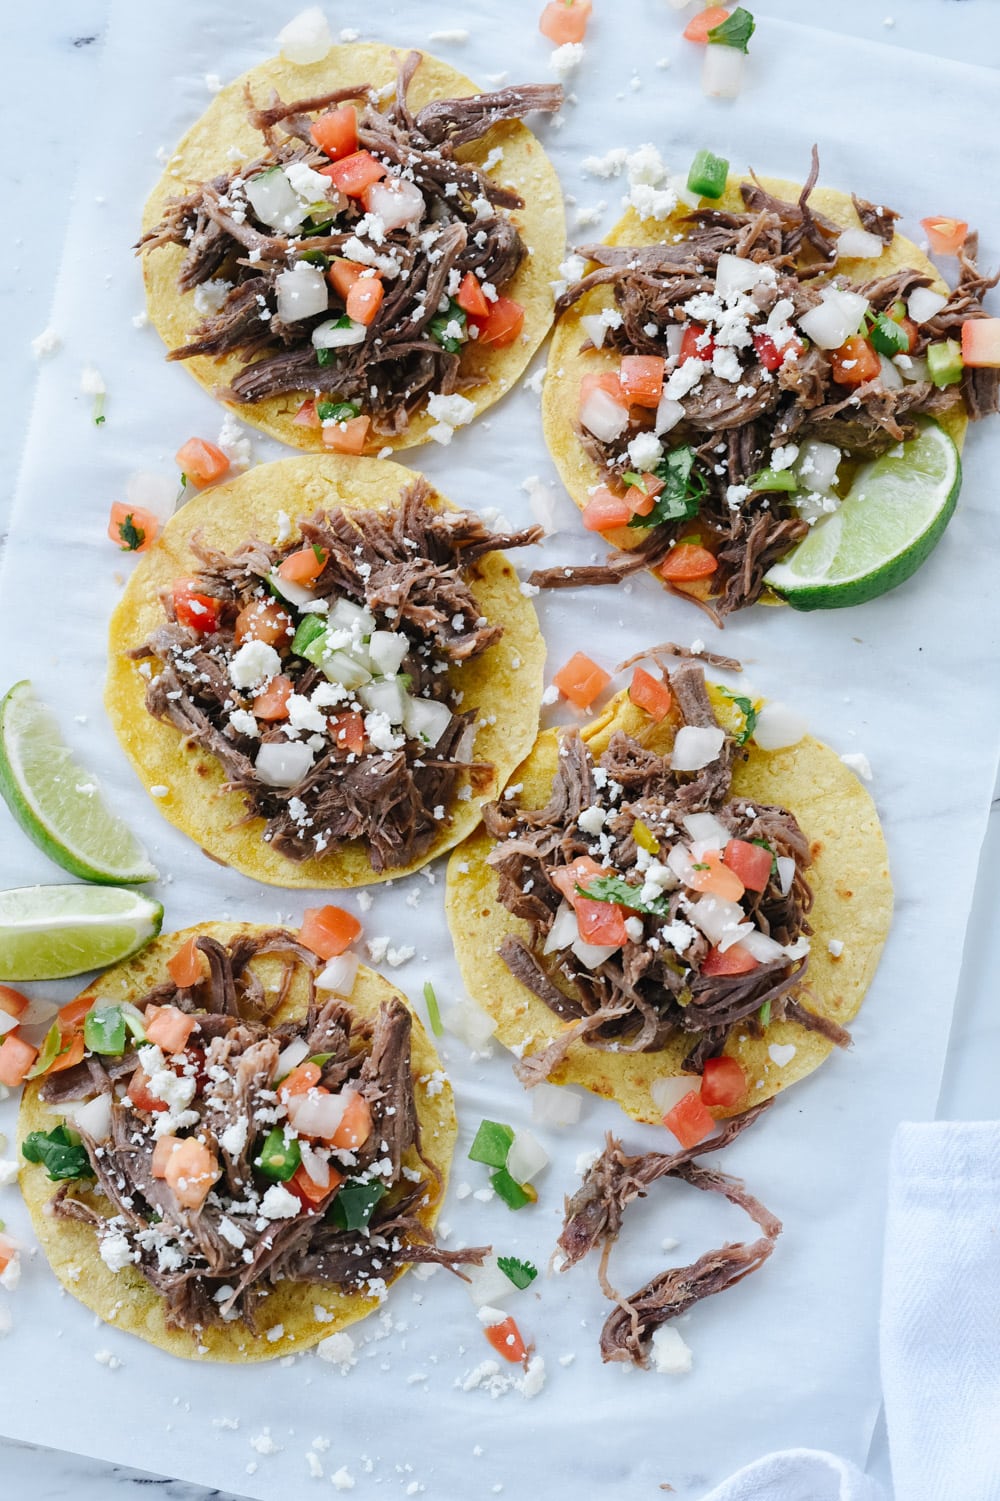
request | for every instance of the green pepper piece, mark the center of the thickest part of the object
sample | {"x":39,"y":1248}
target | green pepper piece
{"x":491,"y":1144}
{"x":104,"y":1030}
{"x":279,"y":1156}
{"x":354,"y":1205}
{"x":512,"y":1193}
{"x":773,"y":479}
{"x":708,"y":175}
{"x":306,"y":632}
{"x":944,"y":362}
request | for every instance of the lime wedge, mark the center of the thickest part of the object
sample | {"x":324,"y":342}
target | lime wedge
{"x":48,"y":932}
{"x":56,"y":802}
{"x":888,"y":523}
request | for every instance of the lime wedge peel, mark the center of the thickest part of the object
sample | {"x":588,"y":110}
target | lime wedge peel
{"x":57,"y":803}
{"x":49,"y":932}
{"x":888,"y":523}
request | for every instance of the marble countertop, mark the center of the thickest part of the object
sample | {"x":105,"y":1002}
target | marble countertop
{"x":55,"y":51}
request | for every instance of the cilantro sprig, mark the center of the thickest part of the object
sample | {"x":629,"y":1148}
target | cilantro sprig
{"x":616,"y":889}
{"x":749,"y":713}
{"x":683,"y":488}
{"x":735,"y":31}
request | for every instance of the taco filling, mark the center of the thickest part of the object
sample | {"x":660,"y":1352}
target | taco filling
{"x":236,"y":1155}
{"x":356,"y":257}
{"x":323,"y":674}
{"x":660,"y":904}
{"x":751,"y":373}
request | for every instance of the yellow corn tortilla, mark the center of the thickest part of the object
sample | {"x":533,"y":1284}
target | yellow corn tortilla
{"x":852,"y":902}
{"x":504,"y":683}
{"x":203,"y":154}
{"x":567,"y":365}
{"x":125,"y":1298}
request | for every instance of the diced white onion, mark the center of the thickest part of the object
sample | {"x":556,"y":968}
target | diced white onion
{"x":386,"y":696}
{"x":668,"y":414}
{"x":761,"y":947}
{"x":859,"y":245}
{"x":778,"y":727}
{"x":786,"y":873}
{"x":552,"y":1105}
{"x":340,"y":974}
{"x":296,"y":1052}
{"x":343,"y":668}
{"x":346,"y":615}
{"x":387,"y":650}
{"x":733,"y":936}
{"x":923,"y":304}
{"x":595,"y":328}
{"x":678,"y":4}
{"x":398,"y":203}
{"x":696,"y":746}
{"x":835,"y":319}
{"x":715,"y":917}
{"x":889,"y":376}
{"x":425,"y":719}
{"x":487,"y":1283}
{"x":564,"y":930}
{"x":675,"y":338}
{"x":329,"y":336}
{"x":706,"y":828}
{"x":8,"y":1023}
{"x":315,"y":1114}
{"x":668,"y":1091}
{"x":680,"y":862}
{"x":735,"y":274}
{"x":93,"y":1117}
{"x":154,"y":492}
{"x":722,"y":71}
{"x":274,"y":200}
{"x":316,"y":1165}
{"x":296,"y":594}
{"x":301,"y":292}
{"x":592,"y":954}
{"x":468,"y":1022}
{"x":912,"y":367}
{"x":601,"y":415}
{"x":306,"y":39}
{"x":526,"y":1157}
{"x":817,"y":465}
{"x":283,"y":763}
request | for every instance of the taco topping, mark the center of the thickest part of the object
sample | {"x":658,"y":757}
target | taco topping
{"x":323,"y":674}
{"x":357,"y":256}
{"x":659,"y":903}
{"x":750,"y":371}
{"x":236,"y":1155}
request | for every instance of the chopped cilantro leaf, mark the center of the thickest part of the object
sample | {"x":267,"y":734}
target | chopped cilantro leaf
{"x":749,"y":713}
{"x":521,"y":1273}
{"x":735,"y":31}
{"x":683,"y":488}
{"x":325,"y":356}
{"x":617,"y":889}
{"x":59,"y":1152}
{"x":132,"y":536}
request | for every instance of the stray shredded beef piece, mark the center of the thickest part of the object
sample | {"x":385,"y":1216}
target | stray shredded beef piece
{"x":595,"y":1215}
{"x":221,"y":1259}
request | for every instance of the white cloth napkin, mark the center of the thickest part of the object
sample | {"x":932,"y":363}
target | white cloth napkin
{"x":940,"y":1334}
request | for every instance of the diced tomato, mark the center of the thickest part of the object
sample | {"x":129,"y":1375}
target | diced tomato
{"x":308,"y":1192}
{"x":162,"y":1153}
{"x":601,"y":922}
{"x":265,"y":621}
{"x":981,"y":342}
{"x":506,"y":1340}
{"x":72,"y":1015}
{"x":751,"y":862}
{"x":687,"y":561}
{"x":353,"y":174}
{"x":273,"y":702}
{"x":355,"y":1124}
{"x":301,"y":1079}
{"x":579,"y":872}
{"x":303,"y":567}
{"x":169,"y":1027}
{"x":770,"y":356}
{"x":699,"y":26}
{"x":190,"y":1170}
{"x":565,"y":21}
{"x":139,"y":1093}
{"x":693,"y":346}
{"x":650,"y":694}
{"x":471,"y":297}
{"x":689,"y":1120}
{"x":347,"y":437}
{"x":348,"y":731}
{"x":364,"y":299}
{"x":307,"y":416}
{"x":71,"y":1054}
{"x":13,"y":1002}
{"x":132,"y":528}
{"x":607,"y":381}
{"x":8,"y":1251}
{"x":581,"y":680}
{"x":342,"y":275}
{"x":945,"y":236}
{"x":336,"y":132}
{"x":503,"y":324}
{"x":642,"y":498}
{"x":186,"y":966}
{"x":715,"y":878}
{"x":16,"y":1057}
{"x":723,"y":1082}
{"x":201,"y":461}
{"x":736,"y":960}
{"x":328,"y":931}
{"x":605,"y":510}
{"x":855,"y":362}
{"x":200,"y":612}
{"x":641,"y":376}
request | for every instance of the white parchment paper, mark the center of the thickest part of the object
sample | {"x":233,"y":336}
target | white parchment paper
{"x":790,"y":1357}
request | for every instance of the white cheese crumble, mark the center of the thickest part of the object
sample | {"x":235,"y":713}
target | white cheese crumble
{"x":835,"y":947}
{"x":211,"y":294}
{"x":45,"y":343}
{"x":254,"y":665}
{"x":235,"y":442}
{"x":454,"y":410}
{"x":859,"y":764}
{"x":566,"y":59}
{"x":279,"y":1204}
{"x":671,"y":1356}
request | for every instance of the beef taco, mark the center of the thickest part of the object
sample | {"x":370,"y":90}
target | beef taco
{"x":241,"y":1163}
{"x":716,"y":376}
{"x":321,"y":669}
{"x":663,"y":893}
{"x":357,"y":253}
